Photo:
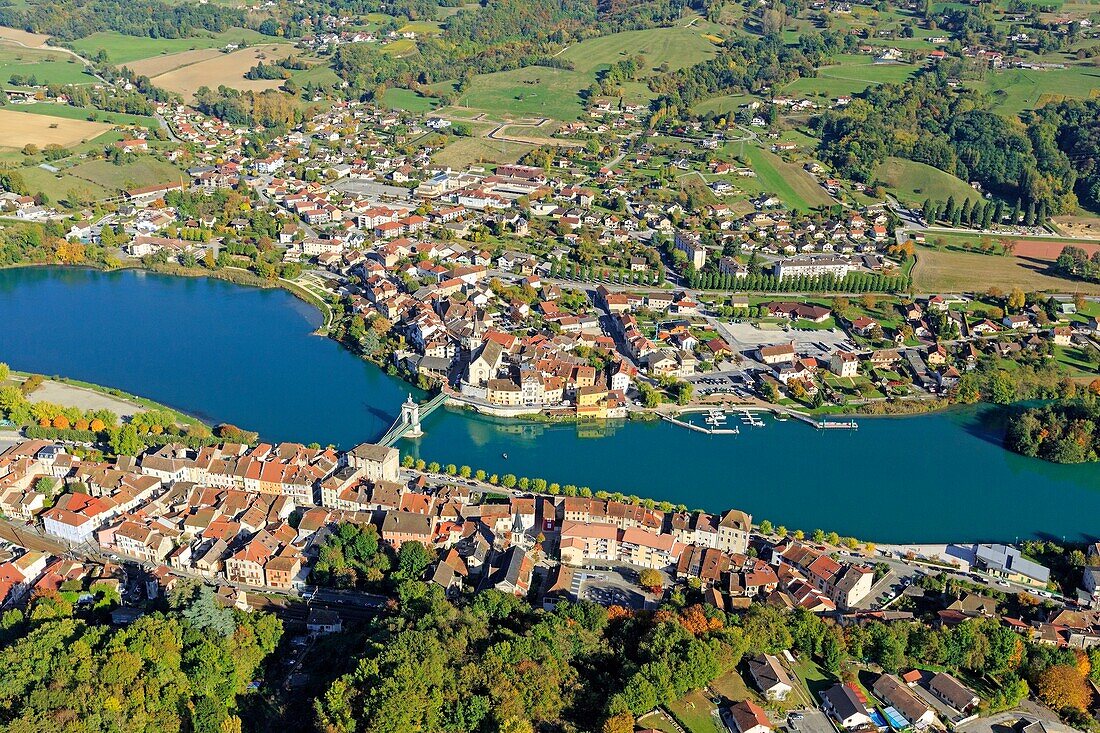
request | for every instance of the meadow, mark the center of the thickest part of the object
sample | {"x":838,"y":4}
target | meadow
{"x":1016,"y":90}
{"x":84,"y":113}
{"x":407,"y":99}
{"x":797,"y":188}
{"x":122,"y":49}
{"x":955,"y":272}
{"x":471,"y":150}
{"x":47,"y":67}
{"x":852,"y":75}
{"x":914,"y":182}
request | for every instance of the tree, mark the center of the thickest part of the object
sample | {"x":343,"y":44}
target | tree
{"x":1063,"y":686}
{"x":125,"y":441}
{"x":1016,"y":300}
{"x":412,"y":559}
{"x":651,"y":579}
{"x":5,"y":372}
{"x":206,"y":613}
{"x":766,"y":527}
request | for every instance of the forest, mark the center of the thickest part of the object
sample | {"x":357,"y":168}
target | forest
{"x":72,"y":19}
{"x":1067,"y":431}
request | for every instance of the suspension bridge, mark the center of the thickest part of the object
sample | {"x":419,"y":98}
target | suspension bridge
{"x":407,"y":424}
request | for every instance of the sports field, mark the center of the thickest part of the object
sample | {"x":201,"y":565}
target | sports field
{"x":914,"y":182}
{"x":18,"y":129}
{"x":951,"y":272}
{"x":226,"y":69}
{"x":788,"y":181}
{"x":122,"y":49}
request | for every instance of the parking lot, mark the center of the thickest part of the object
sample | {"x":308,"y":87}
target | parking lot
{"x":811,"y":721}
{"x":745,"y":337}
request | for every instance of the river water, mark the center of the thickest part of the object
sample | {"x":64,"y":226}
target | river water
{"x":228,"y":353}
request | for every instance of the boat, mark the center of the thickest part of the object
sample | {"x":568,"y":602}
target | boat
{"x":504,"y":456}
{"x":749,"y":419}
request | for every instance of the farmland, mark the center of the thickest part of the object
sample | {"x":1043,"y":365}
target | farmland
{"x":83,"y":113}
{"x":407,"y":99}
{"x":157,"y":65}
{"x":470,"y":150}
{"x":797,"y":188}
{"x":914,"y":182}
{"x":225,"y":69}
{"x":946,"y":271}
{"x":1016,"y":90}
{"x":678,"y":47}
{"x":17,"y":130}
{"x":122,"y":49}
{"x":47,"y":67}
{"x":851,"y":76}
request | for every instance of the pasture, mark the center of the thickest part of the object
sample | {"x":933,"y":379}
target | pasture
{"x":470,"y":150}
{"x":797,"y":188}
{"x":157,"y":65}
{"x":224,"y":69}
{"x":47,"y":67}
{"x":914,"y":182}
{"x":123,"y":49}
{"x":408,"y":100}
{"x":23,"y":38}
{"x":17,"y":130}
{"x":943,"y":271}
{"x":51,"y":109}
{"x":678,"y":47}
{"x":853,"y":75}
{"x":400,"y":47}
{"x":1016,"y":90}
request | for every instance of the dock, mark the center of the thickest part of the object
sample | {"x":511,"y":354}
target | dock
{"x":701,"y":429}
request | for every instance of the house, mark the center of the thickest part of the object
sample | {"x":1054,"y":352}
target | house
{"x":378,"y":462}
{"x":777,"y":354}
{"x":748,"y":717}
{"x":770,"y":677}
{"x":953,"y":692}
{"x":1016,"y":321}
{"x":323,"y":621}
{"x":842,"y":704}
{"x":1009,"y":563}
{"x":844,"y":364}
{"x":898,"y":696}
{"x":1062,"y":335}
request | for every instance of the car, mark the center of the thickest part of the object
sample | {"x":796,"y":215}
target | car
{"x":796,"y":716}
{"x":1005,"y":583}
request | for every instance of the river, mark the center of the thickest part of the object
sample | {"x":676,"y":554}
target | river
{"x":247,"y":356}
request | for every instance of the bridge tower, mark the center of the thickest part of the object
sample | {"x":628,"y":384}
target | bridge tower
{"x":410,"y":415}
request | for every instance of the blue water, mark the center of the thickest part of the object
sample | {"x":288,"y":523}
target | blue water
{"x":248,"y":356}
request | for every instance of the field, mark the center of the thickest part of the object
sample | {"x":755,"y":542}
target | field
{"x":225,"y":69}
{"x":407,"y":99}
{"x":47,"y":67}
{"x":538,"y":91}
{"x":852,"y":76}
{"x":1039,"y":249}
{"x":788,"y":181}
{"x":952,"y":272}
{"x":81,"y":113}
{"x":62,"y":186}
{"x":678,"y":47}
{"x":1016,"y":90}
{"x":1078,"y":226}
{"x":123,"y":49}
{"x":400,"y":47}
{"x":914,"y":182}
{"x":694,"y":711}
{"x":157,"y":65}
{"x":143,"y":172}
{"x":470,"y":150}
{"x":22,"y":37}
{"x":16,"y":130}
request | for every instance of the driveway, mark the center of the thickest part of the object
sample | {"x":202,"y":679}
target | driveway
{"x":812,"y":721}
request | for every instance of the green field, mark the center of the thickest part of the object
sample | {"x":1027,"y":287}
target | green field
{"x":469,"y":150}
{"x":63,"y":186}
{"x":722,"y":105}
{"x":83,"y":113}
{"x":693,"y":710}
{"x":533,"y":91}
{"x":914,"y":182}
{"x":400,"y":47}
{"x":145,"y":171}
{"x":788,"y":181}
{"x":1016,"y":90}
{"x":678,"y":47}
{"x":48,"y":67}
{"x":408,"y":100}
{"x":851,"y":76}
{"x":122,"y":49}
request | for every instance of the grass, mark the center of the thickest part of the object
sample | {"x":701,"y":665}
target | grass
{"x":63,"y":185}
{"x":797,"y":188}
{"x":122,"y":49}
{"x":954,"y":272}
{"x":466,"y":151}
{"x":144,"y":171}
{"x":814,"y":678}
{"x":1016,"y":90}
{"x":534,"y":91}
{"x":47,"y":67}
{"x":914,"y":182}
{"x":400,"y":47}
{"x":408,"y":100}
{"x":722,"y":105}
{"x":693,"y":711}
{"x":678,"y":47}
{"x":855,"y":74}
{"x":1075,"y":360}
{"x":732,"y":687}
{"x":82,"y":113}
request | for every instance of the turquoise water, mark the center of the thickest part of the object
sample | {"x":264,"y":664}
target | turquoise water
{"x":247,"y":356}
